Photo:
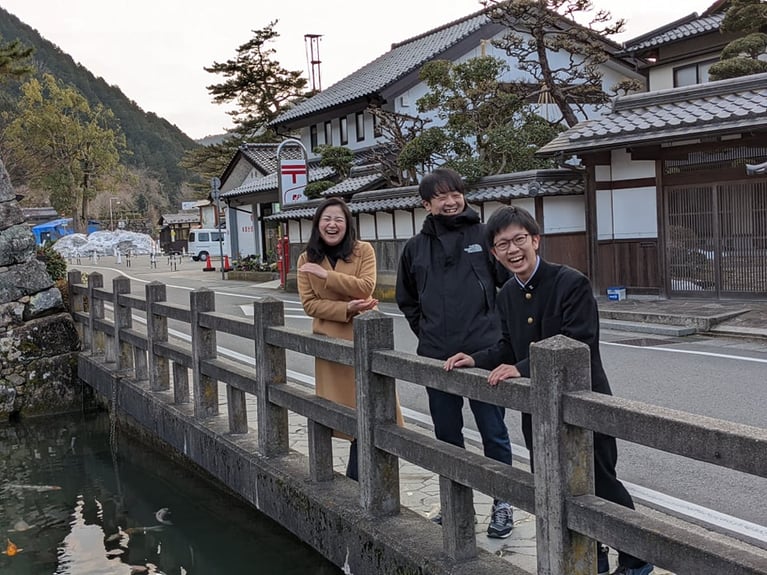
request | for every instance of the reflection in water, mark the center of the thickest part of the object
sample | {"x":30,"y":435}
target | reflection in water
{"x":82,"y":550}
{"x":71,"y":505}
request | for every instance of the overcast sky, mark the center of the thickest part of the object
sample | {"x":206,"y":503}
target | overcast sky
{"x":155,"y":50}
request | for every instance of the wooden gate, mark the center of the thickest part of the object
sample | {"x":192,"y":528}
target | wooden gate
{"x":716,"y":239}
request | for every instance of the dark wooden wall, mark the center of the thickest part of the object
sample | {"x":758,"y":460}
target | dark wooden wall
{"x":629,"y":263}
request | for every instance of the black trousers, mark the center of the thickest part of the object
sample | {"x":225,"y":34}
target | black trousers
{"x":606,"y":482}
{"x":352,"y":471}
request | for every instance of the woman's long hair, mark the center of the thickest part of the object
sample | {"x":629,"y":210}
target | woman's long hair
{"x":316,"y":248}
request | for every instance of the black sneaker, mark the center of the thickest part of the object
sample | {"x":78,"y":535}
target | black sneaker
{"x":501,"y":521}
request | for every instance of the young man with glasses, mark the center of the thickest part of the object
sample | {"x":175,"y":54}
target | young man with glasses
{"x":446,"y":287}
{"x":540,"y":301}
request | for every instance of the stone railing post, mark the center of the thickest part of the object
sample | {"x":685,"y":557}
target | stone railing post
{"x":320,"y":452}
{"x":270,"y":370}
{"x":203,"y":347}
{"x":156,"y":332}
{"x":96,"y":309}
{"x":563,"y":455}
{"x":376,"y":404}
{"x":123,"y":319}
{"x":77,"y":304}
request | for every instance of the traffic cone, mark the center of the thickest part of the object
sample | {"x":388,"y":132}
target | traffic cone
{"x":208,"y":266}
{"x":227,"y":267}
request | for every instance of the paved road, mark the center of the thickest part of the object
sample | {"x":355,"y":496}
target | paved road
{"x":717,"y":377}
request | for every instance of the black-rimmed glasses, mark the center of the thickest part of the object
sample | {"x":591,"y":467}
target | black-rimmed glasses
{"x":518,"y":240}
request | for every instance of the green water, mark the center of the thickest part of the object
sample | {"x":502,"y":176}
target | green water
{"x":75,"y":504}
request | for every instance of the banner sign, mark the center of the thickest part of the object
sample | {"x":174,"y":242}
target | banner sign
{"x":293,"y":179}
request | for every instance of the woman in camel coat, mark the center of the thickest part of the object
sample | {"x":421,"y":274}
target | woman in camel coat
{"x":336,"y":278}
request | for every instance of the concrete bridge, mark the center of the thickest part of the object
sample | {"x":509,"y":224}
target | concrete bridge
{"x":172,"y":393}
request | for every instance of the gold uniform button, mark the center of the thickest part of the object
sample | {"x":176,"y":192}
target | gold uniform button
{"x":528,"y":295}
{"x":530,"y":320}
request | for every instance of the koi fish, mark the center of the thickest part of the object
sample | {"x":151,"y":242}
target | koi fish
{"x":11,"y":549}
{"x":20,"y":526}
{"x":35,"y":488}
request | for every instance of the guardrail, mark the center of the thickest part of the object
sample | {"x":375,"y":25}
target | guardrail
{"x":565,"y":413}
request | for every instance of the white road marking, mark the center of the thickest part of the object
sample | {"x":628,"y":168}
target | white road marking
{"x":687,"y":352}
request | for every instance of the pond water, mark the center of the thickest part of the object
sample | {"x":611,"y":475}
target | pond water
{"x":74,"y":502}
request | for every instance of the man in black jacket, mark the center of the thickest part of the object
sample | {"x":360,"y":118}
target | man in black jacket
{"x":540,"y":301}
{"x":446,"y":287}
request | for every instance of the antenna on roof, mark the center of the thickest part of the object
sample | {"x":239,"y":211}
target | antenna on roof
{"x":312,"y":43}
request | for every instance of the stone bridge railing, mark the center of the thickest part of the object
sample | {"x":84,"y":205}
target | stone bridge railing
{"x":383,"y":536}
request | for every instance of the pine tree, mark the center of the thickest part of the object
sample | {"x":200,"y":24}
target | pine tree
{"x":14,"y":60}
{"x":260,"y":88}
{"x":741,"y":57}
{"x":540,"y":28}
{"x":66,"y":146}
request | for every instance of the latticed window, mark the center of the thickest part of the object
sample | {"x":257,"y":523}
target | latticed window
{"x":716,"y":160}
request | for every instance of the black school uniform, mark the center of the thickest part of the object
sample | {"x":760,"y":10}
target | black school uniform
{"x":557,"y":300}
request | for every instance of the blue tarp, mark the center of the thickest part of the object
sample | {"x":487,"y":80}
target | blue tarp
{"x":55,"y":229}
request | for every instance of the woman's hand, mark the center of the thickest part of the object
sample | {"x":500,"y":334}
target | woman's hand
{"x":503,"y":371}
{"x":314,"y":269}
{"x":360,"y":305}
{"x":460,"y":359}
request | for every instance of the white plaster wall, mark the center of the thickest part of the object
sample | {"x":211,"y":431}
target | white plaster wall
{"x":604,"y":214}
{"x":603,"y":173}
{"x":627,"y":214}
{"x":385,"y":225}
{"x":490,"y":208}
{"x":564,"y":214}
{"x":403,"y":224}
{"x":306,"y":230}
{"x":240,"y":174}
{"x":624,"y":168}
{"x":662,"y":77}
{"x":527,"y":204}
{"x":367,"y":227}
{"x":294,"y":231}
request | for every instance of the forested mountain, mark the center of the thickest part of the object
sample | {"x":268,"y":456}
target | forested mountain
{"x":154,"y":143}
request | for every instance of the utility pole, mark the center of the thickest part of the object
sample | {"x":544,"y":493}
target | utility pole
{"x":215,"y":192}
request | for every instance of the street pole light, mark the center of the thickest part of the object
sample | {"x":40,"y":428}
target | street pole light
{"x":111,"y":213}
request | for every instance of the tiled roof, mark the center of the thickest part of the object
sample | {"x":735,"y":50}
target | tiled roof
{"x":687,"y":27}
{"x":492,"y":188}
{"x":267,"y":155}
{"x":526,"y":185}
{"x":725,"y":106}
{"x":269,"y":182}
{"x":168,"y":219}
{"x":354,"y":184}
{"x":402,"y":59}
{"x":264,"y":156}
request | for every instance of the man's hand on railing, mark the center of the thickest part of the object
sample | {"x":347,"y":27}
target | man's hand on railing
{"x":460,"y":359}
{"x":503,"y":371}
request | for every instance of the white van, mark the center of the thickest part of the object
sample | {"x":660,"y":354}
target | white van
{"x":204,"y":243}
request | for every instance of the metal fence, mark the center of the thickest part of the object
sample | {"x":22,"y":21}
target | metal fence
{"x":565,"y":413}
